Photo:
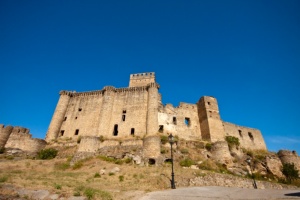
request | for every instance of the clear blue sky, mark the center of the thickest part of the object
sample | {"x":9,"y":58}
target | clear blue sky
{"x":245,"y":53}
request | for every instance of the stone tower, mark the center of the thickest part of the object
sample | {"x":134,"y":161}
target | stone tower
{"x":209,"y":118}
{"x":58,"y":116}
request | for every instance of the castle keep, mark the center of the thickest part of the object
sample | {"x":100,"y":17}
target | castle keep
{"x":137,"y":112}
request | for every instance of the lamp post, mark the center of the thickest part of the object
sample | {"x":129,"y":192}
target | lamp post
{"x":171,"y":141}
{"x":254,"y":182}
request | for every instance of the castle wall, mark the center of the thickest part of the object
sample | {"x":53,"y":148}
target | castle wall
{"x":19,"y":137}
{"x":5,"y":132}
{"x":182,"y":121}
{"x":82,"y":115}
{"x":249,"y":138}
{"x":289,"y":157}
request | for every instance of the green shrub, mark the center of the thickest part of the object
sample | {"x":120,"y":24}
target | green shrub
{"x":57,"y":186}
{"x":101,"y":138}
{"x":97,"y":175}
{"x":47,"y":154}
{"x":232,"y":141}
{"x":187,"y":162}
{"x":208,"y":146}
{"x":77,"y":165}
{"x":184,"y":151}
{"x":2,"y":150}
{"x":164,"y":139}
{"x":111,"y":173}
{"x":290,"y":172}
{"x":89,"y":193}
{"x":3,"y":179}
{"x":105,"y":195}
{"x":121,"y":178}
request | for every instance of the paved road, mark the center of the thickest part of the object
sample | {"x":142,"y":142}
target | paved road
{"x":214,"y":192}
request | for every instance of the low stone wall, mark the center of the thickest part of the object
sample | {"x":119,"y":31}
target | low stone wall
{"x":289,"y":157}
{"x":24,"y":142}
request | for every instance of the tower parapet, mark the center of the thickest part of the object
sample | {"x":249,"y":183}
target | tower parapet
{"x":141,"y":79}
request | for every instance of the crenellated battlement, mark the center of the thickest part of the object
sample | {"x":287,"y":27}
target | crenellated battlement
{"x":141,"y":79}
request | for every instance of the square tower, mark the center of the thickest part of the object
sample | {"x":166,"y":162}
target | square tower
{"x":142,"y":79}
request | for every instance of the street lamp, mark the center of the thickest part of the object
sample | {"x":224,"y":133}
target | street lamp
{"x":171,"y":141}
{"x":254,"y":182}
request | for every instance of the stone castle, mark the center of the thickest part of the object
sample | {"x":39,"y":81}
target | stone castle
{"x":137,"y":111}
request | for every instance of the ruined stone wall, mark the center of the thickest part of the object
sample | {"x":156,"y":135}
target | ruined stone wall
{"x":89,"y":144}
{"x":249,"y":138}
{"x":210,"y":121}
{"x":289,"y":157}
{"x":19,"y":137}
{"x":4,"y":134}
{"x":182,"y":121}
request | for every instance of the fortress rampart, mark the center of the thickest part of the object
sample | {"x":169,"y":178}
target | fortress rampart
{"x":289,"y":157}
{"x":19,"y":137}
{"x":137,"y":112}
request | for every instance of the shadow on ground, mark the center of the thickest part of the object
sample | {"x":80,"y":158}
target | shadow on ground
{"x":297,"y":194}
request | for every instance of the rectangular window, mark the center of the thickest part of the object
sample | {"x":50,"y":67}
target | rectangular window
{"x":115,"y":133}
{"x":174,"y":120}
{"x":123,"y":118}
{"x":77,"y":132}
{"x":124,"y":111}
{"x":240,"y":133}
{"x":161,"y":128}
{"x":187,"y":121}
{"x":65,"y":119}
{"x":79,"y":109}
{"x":132,"y":131}
{"x":62,"y":132}
{"x":251,"y":136}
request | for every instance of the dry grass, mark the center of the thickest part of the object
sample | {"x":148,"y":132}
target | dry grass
{"x":58,"y":177}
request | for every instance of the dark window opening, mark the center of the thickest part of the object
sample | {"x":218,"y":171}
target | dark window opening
{"x":75,"y":117}
{"x":174,"y":120}
{"x":19,"y":130}
{"x":132,"y":131}
{"x":62,"y":132}
{"x":77,"y":132}
{"x":65,"y":119}
{"x":187,"y":121}
{"x":168,"y":160}
{"x":208,"y":103}
{"x":123,"y":118}
{"x":240,"y":133}
{"x":124,"y":111}
{"x":115,"y":133}
{"x":161,"y":128}
{"x":79,"y":109}
{"x":251,"y":136}
{"x":151,"y":161}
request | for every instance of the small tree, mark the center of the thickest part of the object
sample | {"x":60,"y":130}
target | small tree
{"x":47,"y":154}
{"x":290,"y":172}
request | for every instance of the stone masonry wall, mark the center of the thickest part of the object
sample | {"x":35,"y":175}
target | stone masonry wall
{"x":289,"y":157}
{"x":4,"y":134}
{"x":249,"y":138}
{"x":182,"y":121}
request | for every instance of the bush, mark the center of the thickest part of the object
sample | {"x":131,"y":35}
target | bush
{"x":61,"y":165}
{"x":290,"y":172}
{"x":89,"y":193}
{"x":208,"y":146}
{"x":78,"y":165}
{"x":2,"y":150}
{"x":232,"y":141}
{"x":184,"y":151}
{"x":187,"y":162}
{"x":164,"y":139}
{"x":97,"y":175}
{"x":3,"y":179}
{"x":47,"y":154}
{"x":121,"y":178}
{"x":57,"y":186}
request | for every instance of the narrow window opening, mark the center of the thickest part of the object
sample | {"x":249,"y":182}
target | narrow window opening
{"x":77,"y":132}
{"x":174,"y":120}
{"x":79,"y":109}
{"x":124,"y":111}
{"x":75,"y":117}
{"x":65,"y":119}
{"x":151,"y":161}
{"x":19,"y":131}
{"x":208,"y":103}
{"x":132,"y":131}
{"x":62,"y":133}
{"x":161,"y":128}
{"x":187,"y":121}
{"x":115,"y":133}
{"x":240,"y":133}
{"x":123,"y":118}
{"x":251,"y":136}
